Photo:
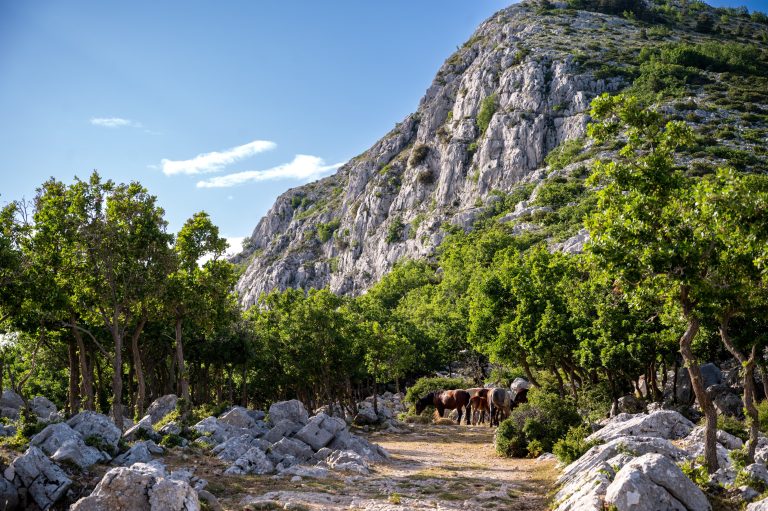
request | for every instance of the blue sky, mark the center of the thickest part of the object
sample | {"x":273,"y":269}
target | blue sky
{"x":178,"y":95}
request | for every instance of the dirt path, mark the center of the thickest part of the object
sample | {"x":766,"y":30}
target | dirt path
{"x":434,"y":467}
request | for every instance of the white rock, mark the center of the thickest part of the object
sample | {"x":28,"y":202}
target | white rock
{"x":161,"y":407}
{"x":292,"y":410}
{"x":92,"y":424}
{"x":667,"y":424}
{"x":252,"y":462}
{"x":45,"y":482}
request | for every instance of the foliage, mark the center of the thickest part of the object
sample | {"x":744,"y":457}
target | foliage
{"x":509,"y":440}
{"x":425,"y":385}
{"x":418,"y":155}
{"x":573,"y":445}
{"x":564,"y":154}
{"x":733,"y":426}
{"x":487,"y":108}
{"x":325,"y":231}
{"x":395,"y":230}
{"x":696,"y":471}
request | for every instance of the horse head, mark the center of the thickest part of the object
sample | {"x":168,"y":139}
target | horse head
{"x":424,"y":402}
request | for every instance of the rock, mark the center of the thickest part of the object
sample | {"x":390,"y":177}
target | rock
{"x":9,"y":496}
{"x":54,"y":436}
{"x":757,"y":472}
{"x":43,"y":408}
{"x":304,"y":471}
{"x":519,"y":384}
{"x":257,"y":415}
{"x":217,"y":431}
{"x":170,"y":495}
{"x":254,"y":461}
{"x":236,"y":447}
{"x":694,"y":445}
{"x":667,"y":424}
{"x":346,"y":441}
{"x":10,"y":399}
{"x":142,"y":429}
{"x":711,"y":374}
{"x":44,"y":481}
{"x":727,"y":440}
{"x":290,"y":447}
{"x":161,"y":407}
{"x":141,"y":487}
{"x":583,"y":483}
{"x":748,"y":494}
{"x":630,"y":404}
{"x":292,"y":410}
{"x":239,"y":418}
{"x":761,"y":505}
{"x":210,"y":500}
{"x":76,"y":452}
{"x":366,"y":416}
{"x":320,"y":430}
{"x":652,"y":482}
{"x":171,"y":428}
{"x":283,"y":428}
{"x":140,"y":452}
{"x":349,"y":461}
{"x":726,"y":400}
{"x":92,"y":424}
{"x":322,"y":454}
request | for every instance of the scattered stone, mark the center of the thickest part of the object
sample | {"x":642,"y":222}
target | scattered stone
{"x":239,"y":418}
{"x":143,"y":428}
{"x":748,"y":494}
{"x":304,"y":471}
{"x":761,"y":505}
{"x":161,"y":407}
{"x":320,"y":430}
{"x":92,"y":424}
{"x":292,"y":410}
{"x":667,"y":424}
{"x":76,"y":452}
{"x":172,"y":495}
{"x":282,"y":428}
{"x":726,"y":400}
{"x":210,"y":500}
{"x":349,"y":461}
{"x":54,"y":436}
{"x":9,"y":496}
{"x":44,"y":481}
{"x":290,"y":447}
{"x":171,"y":428}
{"x":652,"y":482}
{"x":757,"y":472}
{"x":235,"y":447}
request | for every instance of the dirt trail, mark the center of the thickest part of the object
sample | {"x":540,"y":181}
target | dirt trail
{"x":434,"y":467}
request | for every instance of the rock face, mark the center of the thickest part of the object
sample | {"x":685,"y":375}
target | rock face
{"x":667,"y":424}
{"x":161,"y":407}
{"x":92,"y":424}
{"x":653,"y":482}
{"x":292,"y":410}
{"x":438,"y":166}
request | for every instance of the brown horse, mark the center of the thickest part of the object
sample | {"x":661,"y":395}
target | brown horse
{"x":446,"y":400}
{"x":478,"y":398}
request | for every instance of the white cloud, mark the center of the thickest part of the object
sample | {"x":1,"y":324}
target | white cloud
{"x":216,"y":160}
{"x":114,"y":122}
{"x":303,"y":167}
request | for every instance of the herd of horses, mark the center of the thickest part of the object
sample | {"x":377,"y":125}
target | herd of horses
{"x":473,"y":404}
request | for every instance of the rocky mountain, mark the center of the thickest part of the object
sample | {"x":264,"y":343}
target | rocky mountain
{"x":506,"y":114}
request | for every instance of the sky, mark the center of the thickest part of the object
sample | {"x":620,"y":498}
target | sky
{"x":214,"y":106}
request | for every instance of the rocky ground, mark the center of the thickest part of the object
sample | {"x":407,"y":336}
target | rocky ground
{"x":433,"y":467}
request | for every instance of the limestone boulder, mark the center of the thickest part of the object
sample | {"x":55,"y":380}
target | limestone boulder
{"x":91,"y":424}
{"x":161,"y":407}
{"x":667,"y":424}
{"x":45,"y":482}
{"x":254,"y":461}
{"x":652,"y":482}
{"x":292,"y":410}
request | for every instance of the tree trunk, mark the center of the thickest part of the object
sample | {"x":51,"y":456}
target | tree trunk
{"x":560,"y":386}
{"x":527,"y":369}
{"x":183,"y":383}
{"x":764,"y":375}
{"x":86,"y":374}
{"x":244,"y":395}
{"x":117,"y":376}
{"x":141,"y":391}
{"x":73,"y":401}
{"x":697,"y":382}
{"x":748,"y":364}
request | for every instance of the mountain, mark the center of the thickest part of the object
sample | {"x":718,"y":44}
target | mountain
{"x":499,"y":136}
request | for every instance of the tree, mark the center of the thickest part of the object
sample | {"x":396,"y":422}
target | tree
{"x":640,"y":230}
{"x":122,"y":234}
{"x":195,"y":290}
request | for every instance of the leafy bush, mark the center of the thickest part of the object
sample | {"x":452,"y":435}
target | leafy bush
{"x":171,"y":440}
{"x":426,"y":177}
{"x":733,"y":426}
{"x":564,"y":154}
{"x":573,"y":445}
{"x":325,"y":231}
{"x":558,"y":192}
{"x":395,"y":230}
{"x":424,"y":386}
{"x":546,"y":418}
{"x":696,"y":471}
{"x":739,"y":457}
{"x":484,"y":116}
{"x":509,"y":440}
{"x":535,"y":449}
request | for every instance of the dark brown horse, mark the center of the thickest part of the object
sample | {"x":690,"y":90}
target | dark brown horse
{"x":446,"y":400}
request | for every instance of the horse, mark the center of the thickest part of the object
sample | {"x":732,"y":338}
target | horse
{"x":479,"y":405}
{"x":499,"y":404}
{"x":446,"y":400}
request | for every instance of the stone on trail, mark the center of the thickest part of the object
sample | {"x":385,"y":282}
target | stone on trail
{"x":652,"y":482}
{"x":161,"y":407}
{"x":292,"y":410}
{"x":667,"y":424}
{"x":254,"y":461}
{"x":304,"y":471}
{"x":44,"y":481}
{"x":349,"y":461}
{"x":92,"y":424}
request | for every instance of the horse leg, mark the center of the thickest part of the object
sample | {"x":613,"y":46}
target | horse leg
{"x":492,"y":414}
{"x":468,"y":412}
{"x":440,"y":410}
{"x":458,"y":409}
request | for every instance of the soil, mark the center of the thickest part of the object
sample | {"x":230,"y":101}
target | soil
{"x":445,"y":467}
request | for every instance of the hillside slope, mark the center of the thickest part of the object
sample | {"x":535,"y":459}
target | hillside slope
{"x":518,"y":89}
